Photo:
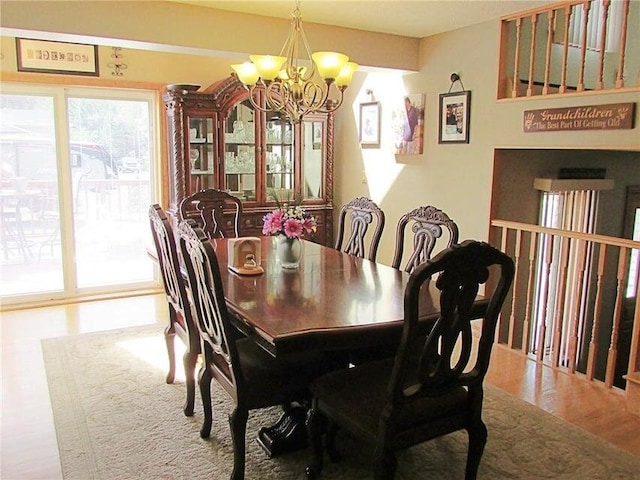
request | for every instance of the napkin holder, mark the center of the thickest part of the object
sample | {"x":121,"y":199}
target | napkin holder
{"x":245,"y":256}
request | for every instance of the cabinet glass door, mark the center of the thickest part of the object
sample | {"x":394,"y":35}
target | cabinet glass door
{"x":240,"y":152}
{"x":201,"y":150}
{"x":279,"y":161}
{"x":312,"y":160}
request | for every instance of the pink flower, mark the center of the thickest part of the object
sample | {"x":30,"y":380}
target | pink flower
{"x":309,"y":225}
{"x":291,"y":221}
{"x":273,"y":222}
{"x":293,"y":228}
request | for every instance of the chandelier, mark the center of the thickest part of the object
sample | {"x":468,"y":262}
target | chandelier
{"x":294,"y":89}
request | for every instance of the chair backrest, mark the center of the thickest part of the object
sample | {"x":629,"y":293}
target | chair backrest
{"x":427,"y":224}
{"x":444,"y":361}
{"x":207,"y":208}
{"x":362,"y":213}
{"x":165,"y":243}
{"x":210,"y":309}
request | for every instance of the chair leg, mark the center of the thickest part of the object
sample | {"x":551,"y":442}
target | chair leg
{"x":169,"y":338}
{"x":332,"y":451}
{"x":238,"y":424}
{"x":204,"y":378}
{"x":385,"y":464}
{"x":314,"y":431}
{"x":189,"y":360}
{"x":477,"y":440}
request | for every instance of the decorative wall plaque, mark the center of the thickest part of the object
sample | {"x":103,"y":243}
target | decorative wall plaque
{"x":45,"y":56}
{"x":615,"y":116}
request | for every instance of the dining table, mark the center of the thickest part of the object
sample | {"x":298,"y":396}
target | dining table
{"x":332,"y":302}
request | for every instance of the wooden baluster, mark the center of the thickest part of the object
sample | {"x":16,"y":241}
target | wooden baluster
{"x":562,"y":288}
{"x":544,"y":298}
{"x":551,"y":18}
{"x":526,"y":326}
{"x":503,"y":247}
{"x":617,"y":313}
{"x":583,"y":45}
{"x":623,"y":43}
{"x":532,"y":53}
{"x":516,"y":66}
{"x":578,"y":301}
{"x":603,"y":43}
{"x":568,"y":10}
{"x":597,"y":312}
{"x":516,"y":287}
{"x":634,"y":357}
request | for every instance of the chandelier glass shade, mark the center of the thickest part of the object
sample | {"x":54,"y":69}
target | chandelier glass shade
{"x":294,"y":86}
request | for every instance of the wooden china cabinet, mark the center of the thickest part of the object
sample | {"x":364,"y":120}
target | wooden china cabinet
{"x":217,"y":139}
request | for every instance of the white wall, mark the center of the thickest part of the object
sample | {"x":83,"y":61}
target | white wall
{"x":455,"y":177}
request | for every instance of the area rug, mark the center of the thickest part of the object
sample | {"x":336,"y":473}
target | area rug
{"x":116,"y":418}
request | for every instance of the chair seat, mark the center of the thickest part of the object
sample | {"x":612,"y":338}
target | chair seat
{"x":362,"y":394}
{"x":273,"y":380}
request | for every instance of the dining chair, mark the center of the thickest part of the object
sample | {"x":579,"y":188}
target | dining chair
{"x":426,"y":224}
{"x":180,"y":316}
{"x":251,"y":376}
{"x":354,"y":220}
{"x":429,"y":389}
{"x":207,"y":208}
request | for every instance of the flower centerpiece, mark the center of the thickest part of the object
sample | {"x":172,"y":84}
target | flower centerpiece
{"x":291,"y":221}
{"x":288,"y":223}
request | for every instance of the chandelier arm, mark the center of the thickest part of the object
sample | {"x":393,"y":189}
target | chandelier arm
{"x":276,"y":95}
{"x":255,"y":104}
{"x":287,"y":47}
{"x":314,"y":96}
{"x":307,"y":48}
{"x":332,"y":105}
{"x":291,"y":49}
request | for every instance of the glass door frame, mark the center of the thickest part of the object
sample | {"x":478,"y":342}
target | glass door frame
{"x":60,"y":95}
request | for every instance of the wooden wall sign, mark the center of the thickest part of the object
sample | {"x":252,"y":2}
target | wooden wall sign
{"x":615,"y":116}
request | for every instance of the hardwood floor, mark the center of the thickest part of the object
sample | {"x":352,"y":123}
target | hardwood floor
{"x":28,"y":441}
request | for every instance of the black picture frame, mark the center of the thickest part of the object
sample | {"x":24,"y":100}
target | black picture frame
{"x":453,"y":118}
{"x":46,"y":56}
{"x":369,"y":129}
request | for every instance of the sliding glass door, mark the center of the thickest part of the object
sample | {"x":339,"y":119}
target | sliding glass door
{"x":29,"y":206}
{"x":76,"y":179}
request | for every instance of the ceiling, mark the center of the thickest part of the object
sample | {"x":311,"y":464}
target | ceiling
{"x":411,"y":18}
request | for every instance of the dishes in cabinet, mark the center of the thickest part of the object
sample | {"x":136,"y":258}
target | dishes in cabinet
{"x":194,"y":154}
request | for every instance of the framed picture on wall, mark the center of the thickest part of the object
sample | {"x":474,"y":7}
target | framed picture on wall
{"x":454,"y":117}
{"x":407,"y":124}
{"x":370,"y":124}
{"x":44,"y":56}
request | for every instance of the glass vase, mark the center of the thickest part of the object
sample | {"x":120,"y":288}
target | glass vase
{"x":289,"y":251}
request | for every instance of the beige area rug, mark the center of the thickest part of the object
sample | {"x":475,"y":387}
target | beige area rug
{"x":116,"y":418}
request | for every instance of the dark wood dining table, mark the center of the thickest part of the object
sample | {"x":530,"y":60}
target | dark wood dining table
{"x":332,"y":301}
